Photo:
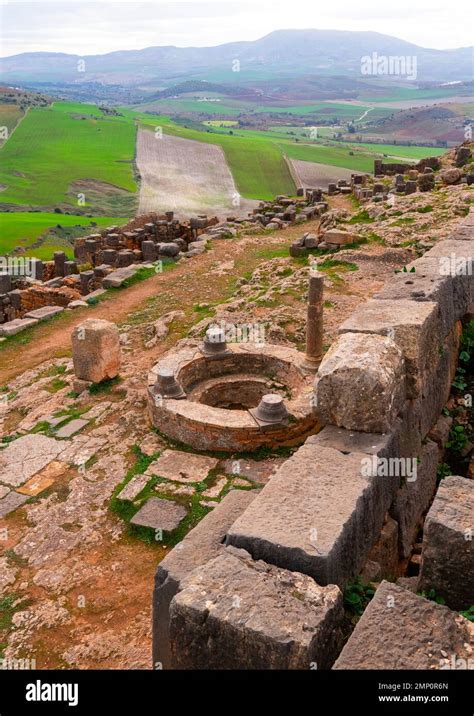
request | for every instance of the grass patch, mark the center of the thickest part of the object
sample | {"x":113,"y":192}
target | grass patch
{"x":362,"y":217}
{"x":106,"y":386}
{"x":55,"y":385}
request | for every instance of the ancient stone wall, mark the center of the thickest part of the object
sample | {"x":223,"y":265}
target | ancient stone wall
{"x":363,"y":483}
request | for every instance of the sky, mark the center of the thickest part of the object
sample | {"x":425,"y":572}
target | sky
{"x":84,"y":28}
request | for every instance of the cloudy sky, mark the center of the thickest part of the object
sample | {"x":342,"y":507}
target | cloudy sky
{"x":97,"y":27}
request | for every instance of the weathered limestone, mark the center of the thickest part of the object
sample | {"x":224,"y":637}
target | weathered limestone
{"x":236,"y":378}
{"x":235,"y":611}
{"x":133,"y":488}
{"x":454,"y":258}
{"x":25,"y":456}
{"x":59,"y":261}
{"x":159,"y":514}
{"x":448,"y":543}
{"x":382,"y":562}
{"x":413,"y":325}
{"x":11,"y":328}
{"x":199,"y":546}
{"x":11,"y":502}
{"x":314,"y":322}
{"x":360,"y":383}
{"x":319,"y":514}
{"x":414,"y":497}
{"x":400,"y":630}
{"x":96,"y":350}
{"x":71,"y":428}
{"x":182,"y":466}
{"x":117,"y":278}
{"x":45,"y":312}
{"x":339,"y":237}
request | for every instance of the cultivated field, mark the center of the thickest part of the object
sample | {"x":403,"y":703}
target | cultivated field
{"x":185,"y":176}
{"x":56,"y":146}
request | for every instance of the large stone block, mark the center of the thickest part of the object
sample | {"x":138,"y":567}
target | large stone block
{"x":235,"y":613}
{"x":413,"y":325}
{"x":436,"y":386}
{"x":400,"y":630}
{"x":448,"y":543}
{"x":454,"y":258}
{"x":96,"y":350}
{"x":319,"y":514}
{"x":427,"y":283}
{"x":11,"y":328}
{"x":414,"y":497}
{"x":360,"y":383}
{"x":202,"y":544}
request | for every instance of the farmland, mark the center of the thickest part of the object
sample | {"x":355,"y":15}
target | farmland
{"x":56,"y":146}
{"x":190,"y":176}
{"x":74,"y":157}
{"x":41,"y":233}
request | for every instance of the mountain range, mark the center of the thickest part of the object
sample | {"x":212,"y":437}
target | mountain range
{"x":281,"y":54}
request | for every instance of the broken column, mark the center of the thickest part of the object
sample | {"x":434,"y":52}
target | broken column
{"x":95,"y":351}
{"x":314,"y":321}
{"x":85,"y":277}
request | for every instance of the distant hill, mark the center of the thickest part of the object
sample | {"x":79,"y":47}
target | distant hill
{"x":281,"y":54}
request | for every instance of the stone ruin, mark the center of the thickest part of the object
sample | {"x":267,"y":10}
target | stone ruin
{"x":239,"y":397}
{"x":109,"y":257}
{"x":257,"y":584}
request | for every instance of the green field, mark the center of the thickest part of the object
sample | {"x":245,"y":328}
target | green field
{"x":10,"y":115}
{"x":25,"y":228}
{"x":58,"y":150}
{"x":56,"y":146}
{"x":228,"y":107}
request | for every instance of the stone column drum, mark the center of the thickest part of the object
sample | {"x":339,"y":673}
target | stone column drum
{"x":314,"y":323}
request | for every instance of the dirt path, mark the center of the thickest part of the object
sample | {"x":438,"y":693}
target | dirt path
{"x":185,"y":286}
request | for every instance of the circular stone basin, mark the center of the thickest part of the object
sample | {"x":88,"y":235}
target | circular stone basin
{"x":221,"y":393}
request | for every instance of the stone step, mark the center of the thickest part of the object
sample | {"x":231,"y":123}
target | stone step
{"x":202,"y":544}
{"x":400,"y":630}
{"x":319,"y":514}
{"x":236,"y":613}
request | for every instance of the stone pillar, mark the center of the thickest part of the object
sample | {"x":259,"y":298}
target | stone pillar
{"x":314,"y":322}
{"x":85,"y":278}
{"x":59,"y":261}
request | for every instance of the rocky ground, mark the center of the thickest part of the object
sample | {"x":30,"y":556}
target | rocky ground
{"x":75,"y":580}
